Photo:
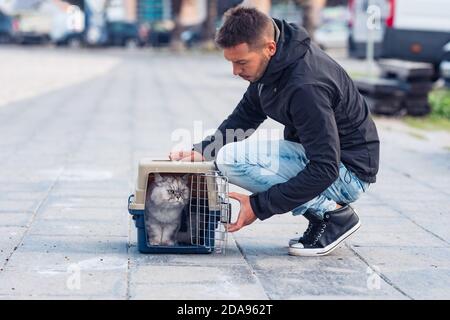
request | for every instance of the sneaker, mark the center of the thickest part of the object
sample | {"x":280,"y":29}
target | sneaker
{"x":314,"y":220}
{"x":327,"y":234}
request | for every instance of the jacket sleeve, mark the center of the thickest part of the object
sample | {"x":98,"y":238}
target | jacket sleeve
{"x":314,"y":121}
{"x":240,"y":124}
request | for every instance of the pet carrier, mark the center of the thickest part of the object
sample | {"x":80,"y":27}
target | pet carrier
{"x":204,"y":214}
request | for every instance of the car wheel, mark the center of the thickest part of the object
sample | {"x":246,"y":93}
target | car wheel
{"x":74,"y":43}
{"x":131,"y":44}
{"x":4,"y":38}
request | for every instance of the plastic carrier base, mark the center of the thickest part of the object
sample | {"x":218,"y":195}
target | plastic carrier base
{"x":144,"y":247}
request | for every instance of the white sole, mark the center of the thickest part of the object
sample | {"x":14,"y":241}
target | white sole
{"x":323,"y":251}
{"x":293,"y":241}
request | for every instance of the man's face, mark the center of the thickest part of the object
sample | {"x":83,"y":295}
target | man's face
{"x":250,"y":64}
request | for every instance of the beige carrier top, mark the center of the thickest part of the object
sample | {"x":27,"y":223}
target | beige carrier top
{"x":148,"y":166}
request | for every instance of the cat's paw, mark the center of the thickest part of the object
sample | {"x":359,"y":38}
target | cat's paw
{"x":169,"y":243}
{"x":154,"y":242}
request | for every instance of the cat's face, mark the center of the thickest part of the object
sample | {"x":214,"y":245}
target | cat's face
{"x":170,"y":191}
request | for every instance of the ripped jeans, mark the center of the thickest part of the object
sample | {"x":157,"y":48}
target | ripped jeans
{"x":258,"y":165}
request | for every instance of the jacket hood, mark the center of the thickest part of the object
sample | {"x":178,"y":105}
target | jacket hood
{"x":292,"y":45}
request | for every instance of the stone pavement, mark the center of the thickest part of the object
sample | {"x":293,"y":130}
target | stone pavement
{"x":73,"y":126}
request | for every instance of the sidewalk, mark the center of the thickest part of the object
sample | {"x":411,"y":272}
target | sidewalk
{"x":68,"y":161}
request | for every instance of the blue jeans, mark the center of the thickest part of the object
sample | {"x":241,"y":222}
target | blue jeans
{"x":258,"y":165}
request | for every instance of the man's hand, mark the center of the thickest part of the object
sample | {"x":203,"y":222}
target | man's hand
{"x":187,"y":156}
{"x":246,"y":215}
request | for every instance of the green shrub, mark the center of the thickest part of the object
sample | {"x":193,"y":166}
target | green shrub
{"x":440,"y":103}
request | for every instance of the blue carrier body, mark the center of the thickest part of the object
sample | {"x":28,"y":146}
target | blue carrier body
{"x":206,"y":245}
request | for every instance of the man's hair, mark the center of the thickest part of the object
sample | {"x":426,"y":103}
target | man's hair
{"x":244,"y":25}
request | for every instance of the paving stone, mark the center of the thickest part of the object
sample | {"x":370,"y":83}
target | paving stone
{"x":69,"y":149}
{"x":422,"y":273}
{"x":195,"y":282}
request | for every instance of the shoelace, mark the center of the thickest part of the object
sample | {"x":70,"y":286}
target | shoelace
{"x":319,"y":232}
{"x":309,"y":234}
{"x":308,"y":231}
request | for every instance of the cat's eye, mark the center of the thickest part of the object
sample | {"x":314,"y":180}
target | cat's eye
{"x":170,"y":191}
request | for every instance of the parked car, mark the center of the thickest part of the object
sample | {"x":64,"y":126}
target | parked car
{"x":414,"y":30}
{"x":124,"y":34}
{"x":32,"y":27}
{"x":5,"y":28}
{"x":333,"y":30}
{"x":160,"y":35}
{"x":68,"y":27}
{"x":71,"y":39}
{"x":418,"y":30}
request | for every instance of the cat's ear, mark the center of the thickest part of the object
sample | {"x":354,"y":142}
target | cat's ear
{"x":185,"y":178}
{"x":158,"y":177}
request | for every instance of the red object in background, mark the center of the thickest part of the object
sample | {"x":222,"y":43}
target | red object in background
{"x":15,"y":25}
{"x":390,"y":19}
{"x":351,"y":8}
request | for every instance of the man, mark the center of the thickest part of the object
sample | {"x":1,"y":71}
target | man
{"x":330,"y":153}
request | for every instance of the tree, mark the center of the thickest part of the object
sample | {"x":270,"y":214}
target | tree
{"x":311,"y":14}
{"x":176,"y":42}
{"x":209,"y":26}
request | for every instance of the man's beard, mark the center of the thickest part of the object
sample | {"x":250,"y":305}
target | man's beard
{"x":264,"y":64}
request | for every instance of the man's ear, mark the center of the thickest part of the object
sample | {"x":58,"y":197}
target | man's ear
{"x":272,"y":48}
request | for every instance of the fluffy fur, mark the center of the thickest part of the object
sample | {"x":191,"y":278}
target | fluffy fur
{"x":166,"y":199}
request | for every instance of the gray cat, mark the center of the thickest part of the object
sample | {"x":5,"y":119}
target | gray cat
{"x":168,"y":195}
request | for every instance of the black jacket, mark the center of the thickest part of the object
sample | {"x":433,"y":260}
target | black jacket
{"x":308,"y":92}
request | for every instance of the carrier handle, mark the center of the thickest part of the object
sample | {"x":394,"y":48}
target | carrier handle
{"x":129,"y":199}
{"x":129,"y":202}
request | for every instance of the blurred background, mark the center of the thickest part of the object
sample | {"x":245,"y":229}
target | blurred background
{"x":369,"y":30}
{"x":89,"y":88}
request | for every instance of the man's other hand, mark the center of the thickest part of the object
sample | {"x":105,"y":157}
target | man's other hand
{"x":186,"y":156}
{"x":246,"y":214}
